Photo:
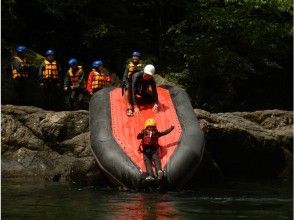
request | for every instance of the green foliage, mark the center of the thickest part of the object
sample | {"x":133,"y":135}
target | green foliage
{"x":35,"y":58}
{"x":228,"y":54}
{"x":276,"y":5}
{"x":227,"y":47}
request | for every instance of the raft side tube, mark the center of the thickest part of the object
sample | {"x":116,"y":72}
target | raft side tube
{"x":188,"y":154}
{"x":109,"y":155}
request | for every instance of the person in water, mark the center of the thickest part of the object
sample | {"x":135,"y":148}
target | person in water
{"x":150,"y":147}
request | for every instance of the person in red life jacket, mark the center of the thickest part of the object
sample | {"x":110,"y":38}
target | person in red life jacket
{"x":49,"y":74}
{"x":143,"y":86}
{"x":74,"y":85}
{"x":150,"y":148}
{"x":134,"y":65}
{"x":20,"y":71}
{"x":97,"y":79}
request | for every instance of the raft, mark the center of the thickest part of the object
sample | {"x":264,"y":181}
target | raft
{"x":114,"y":138}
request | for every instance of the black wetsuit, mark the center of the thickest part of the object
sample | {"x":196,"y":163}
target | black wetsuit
{"x":141,"y":86}
{"x":20,"y":82}
{"x":150,"y":148}
{"x":75,"y":92}
{"x":52,"y":94}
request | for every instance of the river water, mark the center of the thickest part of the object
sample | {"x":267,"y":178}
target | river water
{"x":233,"y":200}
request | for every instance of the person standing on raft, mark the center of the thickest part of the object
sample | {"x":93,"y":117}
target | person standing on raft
{"x":150,"y":147}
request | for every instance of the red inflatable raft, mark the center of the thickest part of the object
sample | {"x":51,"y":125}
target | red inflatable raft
{"x":114,"y":137}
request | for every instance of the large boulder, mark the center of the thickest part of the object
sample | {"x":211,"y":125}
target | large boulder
{"x":55,"y":146}
{"x":250,"y":144}
{"x":47,"y":145}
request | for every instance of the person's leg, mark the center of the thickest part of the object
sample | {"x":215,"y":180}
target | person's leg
{"x":25,"y":97}
{"x":51,"y":93}
{"x":54,"y":95}
{"x":45,"y":91}
{"x":73,"y":100}
{"x":57,"y":98}
{"x":147,"y":162}
{"x":17,"y":91}
{"x":79,"y":99}
{"x":156,"y":159}
{"x":128,"y":99}
{"x":147,"y":98}
{"x":67,"y":99}
{"x":85,"y":100}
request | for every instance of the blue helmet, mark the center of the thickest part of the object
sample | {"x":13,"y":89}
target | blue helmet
{"x":136,"y":54}
{"x":21,"y":49}
{"x":72,"y":62}
{"x":97,"y":64}
{"x":49,"y":52}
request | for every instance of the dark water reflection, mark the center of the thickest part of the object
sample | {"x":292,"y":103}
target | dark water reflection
{"x":254,"y":200}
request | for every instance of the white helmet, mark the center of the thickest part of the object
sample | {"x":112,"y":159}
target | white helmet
{"x":149,"y":69}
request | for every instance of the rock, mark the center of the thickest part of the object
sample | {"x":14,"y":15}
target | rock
{"x":78,"y":146}
{"x":55,"y":146}
{"x":250,"y":144}
{"x":48,"y":165}
{"x":47,"y":145}
{"x":60,"y":126}
{"x":16,"y":135}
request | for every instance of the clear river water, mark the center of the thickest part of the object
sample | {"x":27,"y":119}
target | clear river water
{"x":268,"y":200}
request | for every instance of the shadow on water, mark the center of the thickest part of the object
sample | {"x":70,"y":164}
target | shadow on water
{"x":63,"y":201}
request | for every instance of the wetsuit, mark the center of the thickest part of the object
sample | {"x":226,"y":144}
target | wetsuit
{"x":141,"y":87}
{"x":21,"y":70}
{"x":49,"y":74}
{"x":150,"y":147}
{"x":130,"y":69}
{"x":74,"y":81}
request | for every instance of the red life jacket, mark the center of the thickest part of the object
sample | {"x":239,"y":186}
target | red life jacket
{"x":150,"y":138}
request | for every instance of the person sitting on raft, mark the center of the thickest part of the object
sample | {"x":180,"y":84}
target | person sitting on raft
{"x":143,"y":85}
{"x":150,"y":147}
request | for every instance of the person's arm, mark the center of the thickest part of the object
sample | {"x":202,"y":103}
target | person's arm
{"x":107,"y":78}
{"x":82,"y":79}
{"x":155,"y":95}
{"x":165,"y":132}
{"x":140,"y":135}
{"x":59,"y":73}
{"x":58,"y":70}
{"x":66,"y":81}
{"x":125,"y":76}
{"x":89,"y":84}
{"x":15,"y":66}
{"x":134,"y":84}
{"x":154,"y":91}
{"x":42,"y":66}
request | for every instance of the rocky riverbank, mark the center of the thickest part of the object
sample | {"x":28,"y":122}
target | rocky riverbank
{"x":55,"y":146}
